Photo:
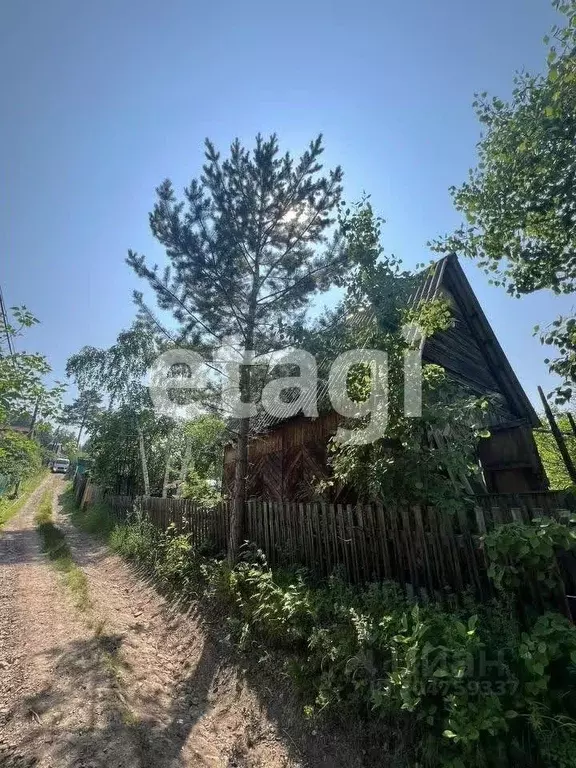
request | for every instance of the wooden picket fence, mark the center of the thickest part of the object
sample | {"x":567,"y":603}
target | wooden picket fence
{"x":428,"y":551}
{"x":207,"y":526}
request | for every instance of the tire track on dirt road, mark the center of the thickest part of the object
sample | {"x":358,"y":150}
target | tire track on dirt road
{"x":131,"y":682}
{"x":59,"y":703}
{"x":189,"y":707}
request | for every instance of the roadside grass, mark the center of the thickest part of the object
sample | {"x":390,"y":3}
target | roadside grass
{"x":54,"y":544}
{"x":96,"y":519}
{"x":10,"y":507}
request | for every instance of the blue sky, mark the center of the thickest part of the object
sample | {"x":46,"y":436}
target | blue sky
{"x":101,"y":101}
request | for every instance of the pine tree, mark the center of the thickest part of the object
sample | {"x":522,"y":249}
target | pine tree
{"x":247,"y":247}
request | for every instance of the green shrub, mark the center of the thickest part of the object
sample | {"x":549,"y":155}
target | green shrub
{"x":520,"y":550}
{"x":482,"y":691}
{"x":20,"y":456}
{"x":97,"y":519}
{"x":275,"y":606}
{"x":137,"y":541}
{"x":177,"y":564}
{"x":478,"y":691}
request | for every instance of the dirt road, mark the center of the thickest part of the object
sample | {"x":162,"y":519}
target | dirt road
{"x":131,"y":681}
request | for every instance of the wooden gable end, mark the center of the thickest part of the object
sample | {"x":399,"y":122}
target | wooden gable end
{"x":471,"y":353}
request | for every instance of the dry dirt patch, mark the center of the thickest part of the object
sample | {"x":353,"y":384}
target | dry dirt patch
{"x":133,"y":680}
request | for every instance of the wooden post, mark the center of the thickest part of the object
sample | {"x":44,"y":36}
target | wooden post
{"x":558,"y":436}
{"x":572,"y":423}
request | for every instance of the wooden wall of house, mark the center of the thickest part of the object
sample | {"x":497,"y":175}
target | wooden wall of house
{"x":511,"y":462}
{"x":287,"y":462}
{"x":458,"y":351}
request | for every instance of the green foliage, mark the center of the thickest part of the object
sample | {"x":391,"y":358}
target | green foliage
{"x":118,"y":374}
{"x":482,"y":692}
{"x":247,"y":246}
{"x":20,"y":457}
{"x":561,"y":333}
{"x":169,"y":555}
{"x":22,"y":373}
{"x":177,"y":564}
{"x":273,"y":606}
{"x":204,"y":490}
{"x":11,"y":506}
{"x":204,"y":438}
{"x":137,"y":541}
{"x":82,"y":412}
{"x":477,"y":690}
{"x":115,"y":449}
{"x":426,"y":459}
{"x":550,"y":455}
{"x":518,"y":550}
{"x":548,"y":654}
{"x":95,"y":519}
{"x":519,"y":201}
{"x":134,"y":450}
{"x":245,"y":243}
{"x":431,"y":316}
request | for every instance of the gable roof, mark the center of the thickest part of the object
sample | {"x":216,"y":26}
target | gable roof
{"x":470,"y":351}
{"x":447,"y":277}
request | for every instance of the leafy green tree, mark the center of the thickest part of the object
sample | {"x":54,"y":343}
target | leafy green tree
{"x":20,"y":456}
{"x":115,"y":449}
{"x":247,"y":247}
{"x":82,"y":412}
{"x":550,"y":455}
{"x":520,"y":200}
{"x":22,"y":374}
{"x":118,"y":373}
{"x":86,"y":368}
{"x":201,"y":472}
{"x":420,"y":459}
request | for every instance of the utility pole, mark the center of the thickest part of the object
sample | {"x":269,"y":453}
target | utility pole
{"x":4,"y":320}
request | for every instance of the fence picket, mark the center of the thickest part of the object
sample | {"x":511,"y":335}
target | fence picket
{"x":423,"y":548}
{"x":342,"y":541}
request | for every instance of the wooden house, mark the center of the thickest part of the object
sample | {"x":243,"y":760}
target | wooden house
{"x":287,"y":458}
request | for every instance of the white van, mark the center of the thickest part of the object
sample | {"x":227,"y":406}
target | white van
{"x":60,"y":465}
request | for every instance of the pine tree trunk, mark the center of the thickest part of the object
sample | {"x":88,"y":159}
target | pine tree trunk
{"x":145,"y":475}
{"x":239,"y":501}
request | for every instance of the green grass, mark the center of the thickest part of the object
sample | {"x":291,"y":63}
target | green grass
{"x":10,"y":507}
{"x":56,"y":547}
{"x":96,"y":519}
